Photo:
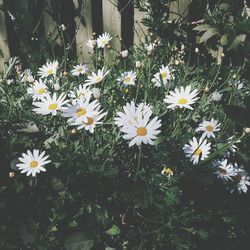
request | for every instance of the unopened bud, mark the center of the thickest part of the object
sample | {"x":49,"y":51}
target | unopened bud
{"x":11,"y":174}
{"x":124,"y":53}
{"x":247,"y":130}
{"x":56,"y":86}
{"x":73,"y":131}
{"x":96,"y":93}
{"x":196,"y":50}
{"x":138,"y":64}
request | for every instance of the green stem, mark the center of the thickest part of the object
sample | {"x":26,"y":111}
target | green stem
{"x":139,"y":161}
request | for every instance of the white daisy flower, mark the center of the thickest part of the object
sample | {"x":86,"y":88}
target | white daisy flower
{"x":197,"y":150}
{"x":142,"y":130}
{"x":103,"y":40}
{"x":92,"y":121}
{"x":225,"y":171}
{"x":242,"y":179}
{"x":27,"y":76}
{"x":79,"y":69}
{"x":80,"y":111}
{"x":162,"y":77}
{"x":150,"y":47}
{"x":81,"y":93}
{"x":128,"y":78}
{"x":38,"y":90}
{"x":48,"y":69}
{"x":33,"y":163}
{"x":91,"y":43}
{"x":208,"y":128}
{"x":96,"y":78}
{"x":182,"y":98}
{"x":50,"y":105}
{"x":131,"y":114}
{"x":167,"y":172}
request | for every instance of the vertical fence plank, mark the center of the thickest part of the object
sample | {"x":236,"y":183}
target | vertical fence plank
{"x":139,"y":28}
{"x":84,"y":29}
{"x":50,"y":26}
{"x":4,"y":49}
{"x":179,"y":9}
{"x":112,"y":25}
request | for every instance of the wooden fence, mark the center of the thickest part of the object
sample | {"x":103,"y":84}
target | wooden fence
{"x":125,"y":22}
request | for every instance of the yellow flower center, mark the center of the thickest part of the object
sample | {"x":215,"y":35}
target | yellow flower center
{"x":81,"y":94}
{"x":209,"y":128}
{"x":81,"y":111}
{"x":223,"y":171}
{"x":127,"y":79}
{"x":50,"y":72}
{"x":182,"y":101}
{"x":90,"y":121}
{"x":53,"y":106}
{"x":33,"y":164}
{"x":167,"y":171}
{"x":104,"y":42}
{"x":79,"y":69}
{"x":98,"y":79}
{"x":164,"y":75}
{"x":41,"y":91}
{"x":198,"y":151}
{"x":141,"y":131}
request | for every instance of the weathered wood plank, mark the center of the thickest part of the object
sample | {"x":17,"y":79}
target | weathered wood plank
{"x":50,"y":25}
{"x":139,"y":29}
{"x":84,"y":29}
{"x":179,"y":9}
{"x":112,"y":25}
{"x":4,"y":48}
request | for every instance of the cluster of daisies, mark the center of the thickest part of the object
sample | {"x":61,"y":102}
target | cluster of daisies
{"x":137,"y":124}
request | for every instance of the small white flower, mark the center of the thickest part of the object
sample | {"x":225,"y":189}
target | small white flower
{"x":130,"y":114}
{"x":128,"y":78}
{"x":79,"y":69}
{"x":10,"y":81}
{"x":96,"y":77}
{"x":124,"y":53}
{"x":91,"y":43}
{"x":167,"y":172}
{"x":50,"y":105}
{"x":136,"y":125}
{"x":225,"y":171}
{"x":197,"y":150}
{"x":33,"y":163}
{"x":26,"y":76}
{"x":96,"y":93}
{"x":57,"y":86}
{"x":150,"y":47}
{"x":103,"y":40}
{"x":38,"y":90}
{"x":242,"y":180}
{"x":162,"y":77}
{"x":208,"y":128}
{"x":216,"y":96}
{"x":182,"y":98}
{"x":92,"y":120}
{"x":48,"y":69}
{"x":80,"y":111}
{"x":81,"y":93}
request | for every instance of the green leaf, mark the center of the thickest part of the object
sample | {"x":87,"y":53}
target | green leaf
{"x":224,"y":40}
{"x":78,"y":241}
{"x":208,"y":34}
{"x":114,"y":230}
{"x":202,"y":27}
{"x":237,"y":40}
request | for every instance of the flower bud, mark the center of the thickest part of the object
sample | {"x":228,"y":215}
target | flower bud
{"x":216,"y":96}
{"x":247,"y":130}
{"x":124,"y":53}
{"x":196,"y":50}
{"x":138,"y":64}
{"x":11,"y":174}
{"x":56,"y":86}
{"x":73,"y":131}
{"x":96,"y":93}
